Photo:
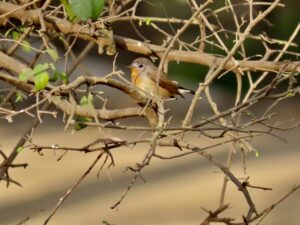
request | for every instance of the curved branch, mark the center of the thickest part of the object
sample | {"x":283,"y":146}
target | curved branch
{"x":68,"y":107}
{"x":104,"y":114}
{"x":132,"y":45}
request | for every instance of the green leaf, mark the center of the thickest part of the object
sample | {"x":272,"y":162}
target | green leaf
{"x":83,"y":101}
{"x":70,"y":13}
{"x":39,"y":68}
{"x":19,"y":96}
{"x":22,"y":29}
{"x":86,"y":100}
{"x":148,"y":21}
{"x":53,"y":54}
{"x":41,"y":80}
{"x":79,"y":126}
{"x":26,"y":46}
{"x":291,"y":94}
{"x":57,"y":75}
{"x":15,"y":35}
{"x":64,"y":78}
{"x":87,"y":9}
{"x":19,"y":149}
{"x":26,"y":74}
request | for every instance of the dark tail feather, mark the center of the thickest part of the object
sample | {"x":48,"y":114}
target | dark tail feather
{"x":183,"y":90}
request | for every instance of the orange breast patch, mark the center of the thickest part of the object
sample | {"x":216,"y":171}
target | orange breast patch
{"x":135,"y":79}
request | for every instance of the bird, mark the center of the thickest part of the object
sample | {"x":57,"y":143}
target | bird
{"x":144,"y":76}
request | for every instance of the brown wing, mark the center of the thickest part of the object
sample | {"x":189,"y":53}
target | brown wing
{"x":165,"y":83}
{"x":170,"y":86}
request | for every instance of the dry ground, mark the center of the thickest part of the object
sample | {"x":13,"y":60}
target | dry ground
{"x":174,"y":193}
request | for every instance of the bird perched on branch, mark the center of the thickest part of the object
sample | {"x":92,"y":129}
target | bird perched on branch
{"x":144,"y":76}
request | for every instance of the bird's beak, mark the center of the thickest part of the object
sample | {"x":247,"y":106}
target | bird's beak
{"x":130,"y":67}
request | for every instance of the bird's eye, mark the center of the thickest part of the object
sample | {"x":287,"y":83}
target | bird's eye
{"x":141,"y":66}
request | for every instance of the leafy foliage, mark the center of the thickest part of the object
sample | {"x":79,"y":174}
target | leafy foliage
{"x":53,"y":54}
{"x":86,"y":100}
{"x":83,"y":9}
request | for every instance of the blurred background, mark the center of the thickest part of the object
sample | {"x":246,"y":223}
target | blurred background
{"x":176,"y":190}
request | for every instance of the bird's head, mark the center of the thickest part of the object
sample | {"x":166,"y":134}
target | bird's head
{"x":139,"y":65}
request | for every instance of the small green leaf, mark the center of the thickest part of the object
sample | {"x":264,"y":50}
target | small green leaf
{"x":148,"y":21}
{"x":20,"y":149}
{"x":87,"y":9}
{"x":19,"y":96}
{"x":83,"y":101}
{"x":39,"y":68}
{"x":15,"y":35}
{"x":22,"y":29}
{"x":80,"y":125}
{"x":53,"y":54}
{"x":57,"y":75}
{"x":64,"y":77}
{"x":26,"y":46}
{"x":291,"y":94}
{"x":86,"y":100}
{"x":26,"y":74}
{"x":41,"y":80}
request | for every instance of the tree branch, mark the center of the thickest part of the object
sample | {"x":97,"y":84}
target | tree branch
{"x":132,"y":45}
{"x":67,"y":106}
